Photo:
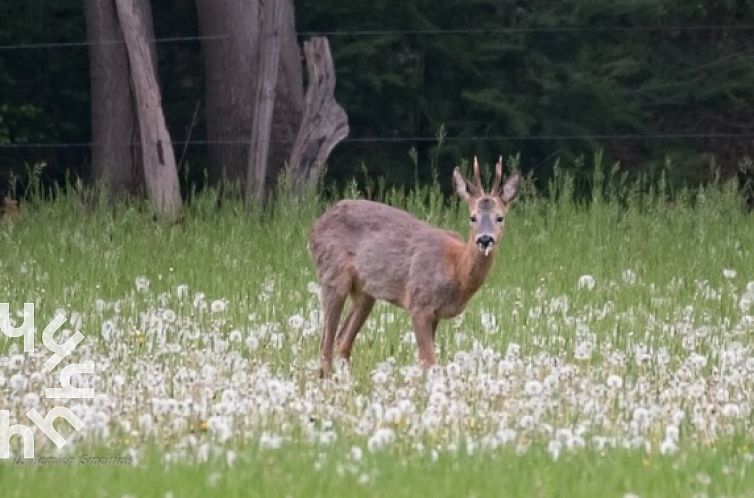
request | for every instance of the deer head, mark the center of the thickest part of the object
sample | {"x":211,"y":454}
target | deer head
{"x":487,"y":211}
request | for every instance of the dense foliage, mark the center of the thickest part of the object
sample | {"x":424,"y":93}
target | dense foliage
{"x":531,"y":89}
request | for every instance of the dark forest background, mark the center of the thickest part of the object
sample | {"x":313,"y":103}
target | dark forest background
{"x":658,"y":85}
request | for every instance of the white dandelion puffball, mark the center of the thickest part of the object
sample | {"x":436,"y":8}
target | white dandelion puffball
{"x":629,"y":277}
{"x":218,"y":306}
{"x":296,"y":321}
{"x":586,"y":282}
{"x":142,"y":284}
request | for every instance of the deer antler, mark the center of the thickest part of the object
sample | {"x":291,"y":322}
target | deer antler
{"x":498,"y":181}
{"x":477,"y":177}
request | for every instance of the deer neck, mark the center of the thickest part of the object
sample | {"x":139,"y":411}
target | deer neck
{"x":474,"y":267}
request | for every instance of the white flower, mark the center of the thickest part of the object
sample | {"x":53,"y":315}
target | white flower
{"x":252,"y":343}
{"x":586,"y":282}
{"x":730,"y":410}
{"x":169,"y":315}
{"x":182,"y":291}
{"x":16,"y":362}
{"x":729,"y":273}
{"x":199,"y":301}
{"x":489,"y":322}
{"x":379,"y":377}
{"x":270,"y":441}
{"x":668,"y":447}
{"x":583,"y":350}
{"x":218,"y":306}
{"x":142,"y":284}
{"x":629,"y":277}
{"x":746,"y":301}
{"x":296,"y":321}
{"x":553,"y":448}
{"x":382,"y":438}
{"x":356,"y":453}
{"x":276,"y":340}
{"x":533,"y":388}
{"x":672,"y":433}
{"x":18,"y":382}
{"x":614,"y":382}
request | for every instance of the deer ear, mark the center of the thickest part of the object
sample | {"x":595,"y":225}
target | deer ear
{"x":509,"y":190}
{"x":460,"y":185}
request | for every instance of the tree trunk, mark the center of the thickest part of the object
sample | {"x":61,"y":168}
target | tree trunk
{"x":116,"y":161}
{"x":160,"y":171}
{"x":325,"y":123}
{"x":230,"y":69}
{"x":289,"y":96}
{"x":264,"y":101}
{"x":231,"y":65}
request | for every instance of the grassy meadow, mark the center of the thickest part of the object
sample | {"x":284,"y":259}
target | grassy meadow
{"x":610,"y":353}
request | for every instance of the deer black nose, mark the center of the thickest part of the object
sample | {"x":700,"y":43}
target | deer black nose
{"x":485,"y":241}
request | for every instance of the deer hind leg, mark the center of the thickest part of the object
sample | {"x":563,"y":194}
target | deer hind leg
{"x":333,"y":299}
{"x":425,"y":326}
{"x":361,"y":306}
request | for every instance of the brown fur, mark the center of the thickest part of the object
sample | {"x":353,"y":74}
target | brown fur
{"x":370,"y":251}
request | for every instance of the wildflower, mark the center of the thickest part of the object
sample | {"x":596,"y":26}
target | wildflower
{"x":276,"y":340}
{"x":729,"y":273}
{"x":533,"y":388}
{"x":586,"y":282}
{"x":668,"y":447}
{"x":18,"y":382}
{"x":746,"y":302}
{"x":218,"y":306}
{"x":182,"y":291}
{"x":629,"y":277}
{"x":489,"y":322}
{"x":270,"y":441}
{"x":379,"y":377}
{"x":614,"y":382}
{"x":142,"y":284}
{"x":553,"y":448}
{"x":252,"y":343}
{"x":382,"y":438}
{"x":296,"y":321}
{"x":730,"y":410}
{"x":583,"y":350}
{"x":16,"y":362}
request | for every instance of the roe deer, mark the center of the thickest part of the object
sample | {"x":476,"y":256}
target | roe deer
{"x":369,"y":251}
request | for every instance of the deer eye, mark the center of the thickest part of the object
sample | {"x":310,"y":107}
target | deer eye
{"x":500,"y":219}
{"x":472,"y":219}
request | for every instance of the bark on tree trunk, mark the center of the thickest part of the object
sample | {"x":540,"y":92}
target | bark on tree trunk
{"x":325,"y":123}
{"x":289,"y":97}
{"x":264,"y":101}
{"x":230,"y":69}
{"x":231,"y":65}
{"x":160,"y":170}
{"x":116,"y":160}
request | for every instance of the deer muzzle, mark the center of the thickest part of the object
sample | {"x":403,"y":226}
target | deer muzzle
{"x":485,"y":243}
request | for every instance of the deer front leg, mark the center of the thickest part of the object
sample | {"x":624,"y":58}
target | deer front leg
{"x":425,"y":325}
{"x":333,"y":302}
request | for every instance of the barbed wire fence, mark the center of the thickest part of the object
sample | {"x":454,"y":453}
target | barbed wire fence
{"x":575,"y":30}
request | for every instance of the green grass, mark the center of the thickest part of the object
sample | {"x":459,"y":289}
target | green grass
{"x":66,"y":254}
{"x":292,"y":473}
